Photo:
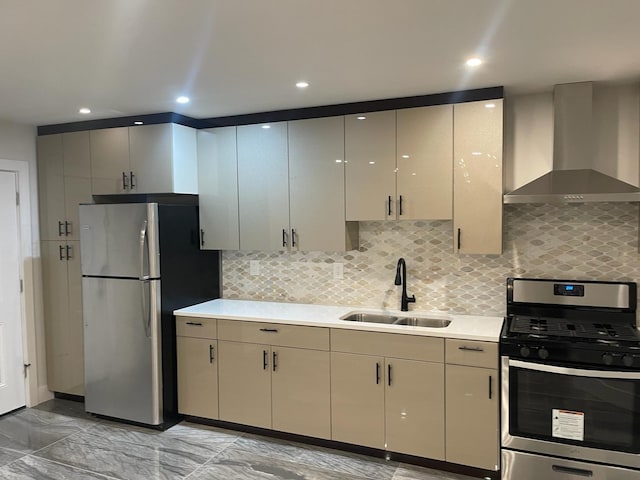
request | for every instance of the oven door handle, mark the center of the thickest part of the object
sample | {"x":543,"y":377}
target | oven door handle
{"x":541,"y":367}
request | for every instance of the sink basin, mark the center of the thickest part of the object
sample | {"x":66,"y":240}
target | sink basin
{"x":369,"y":317}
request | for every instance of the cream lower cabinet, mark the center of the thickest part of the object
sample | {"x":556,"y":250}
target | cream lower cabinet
{"x":472,"y":389}
{"x":275,"y":376}
{"x":197,"y":352}
{"x":386,"y":402}
{"x":63,"y":320}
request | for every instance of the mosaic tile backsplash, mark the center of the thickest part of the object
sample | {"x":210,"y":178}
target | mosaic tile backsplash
{"x":581,"y":241}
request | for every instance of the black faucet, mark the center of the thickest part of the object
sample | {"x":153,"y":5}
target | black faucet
{"x":402,"y":280}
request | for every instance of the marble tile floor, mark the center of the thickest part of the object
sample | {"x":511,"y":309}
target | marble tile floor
{"x":59,"y":441}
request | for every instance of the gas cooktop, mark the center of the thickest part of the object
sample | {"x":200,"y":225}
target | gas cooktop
{"x":560,"y":327}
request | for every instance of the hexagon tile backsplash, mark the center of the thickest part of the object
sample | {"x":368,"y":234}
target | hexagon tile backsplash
{"x":580,"y":241}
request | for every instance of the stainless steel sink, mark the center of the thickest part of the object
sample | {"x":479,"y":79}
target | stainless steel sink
{"x":369,"y":317}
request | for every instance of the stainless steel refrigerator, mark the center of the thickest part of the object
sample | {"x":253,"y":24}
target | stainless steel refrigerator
{"x":140,"y":261}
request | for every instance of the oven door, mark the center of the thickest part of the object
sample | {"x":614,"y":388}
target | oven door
{"x":571,"y":412}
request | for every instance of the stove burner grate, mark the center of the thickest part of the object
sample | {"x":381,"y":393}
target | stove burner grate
{"x":561,"y":327}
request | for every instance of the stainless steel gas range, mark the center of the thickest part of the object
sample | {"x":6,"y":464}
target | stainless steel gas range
{"x":570,"y":359}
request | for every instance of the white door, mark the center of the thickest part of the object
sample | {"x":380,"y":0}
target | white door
{"x":12,"y":386}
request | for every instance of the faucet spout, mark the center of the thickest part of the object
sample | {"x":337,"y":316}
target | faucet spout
{"x":401,"y":279}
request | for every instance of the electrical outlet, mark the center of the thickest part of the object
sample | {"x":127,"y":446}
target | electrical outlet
{"x":338,"y":271}
{"x":254,"y":267}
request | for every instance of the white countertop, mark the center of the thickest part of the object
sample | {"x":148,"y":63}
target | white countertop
{"x":468,"y":327}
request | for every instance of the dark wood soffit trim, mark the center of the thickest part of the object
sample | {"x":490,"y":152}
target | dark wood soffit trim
{"x":281,"y":115}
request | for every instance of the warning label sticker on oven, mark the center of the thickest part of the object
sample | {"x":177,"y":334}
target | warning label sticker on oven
{"x":567,"y":424}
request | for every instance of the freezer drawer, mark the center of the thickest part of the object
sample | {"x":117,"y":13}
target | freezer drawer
{"x":528,"y":466}
{"x":122,"y":349}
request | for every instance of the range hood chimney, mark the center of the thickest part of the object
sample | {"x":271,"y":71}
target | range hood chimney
{"x":573,"y":178}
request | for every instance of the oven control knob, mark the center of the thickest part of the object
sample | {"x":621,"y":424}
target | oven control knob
{"x":627,"y":360}
{"x":607,"y":358}
{"x":543,"y":353}
{"x":525,"y":351}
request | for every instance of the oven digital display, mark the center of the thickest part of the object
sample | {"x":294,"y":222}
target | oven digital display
{"x":568,"y":289}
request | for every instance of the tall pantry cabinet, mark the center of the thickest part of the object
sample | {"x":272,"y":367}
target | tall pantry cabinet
{"x":64,"y":175}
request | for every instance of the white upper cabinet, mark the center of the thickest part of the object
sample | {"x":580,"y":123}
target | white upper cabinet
{"x":316,"y":186}
{"x":218,"y":189}
{"x":163,"y":159}
{"x":424,"y":163}
{"x":370,"y":150}
{"x":263,"y":186}
{"x":477,"y":207}
{"x":144,"y":159}
{"x":110,"y":161}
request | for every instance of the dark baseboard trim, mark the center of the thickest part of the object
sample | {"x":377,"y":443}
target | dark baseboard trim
{"x":348,"y":447}
{"x":462,"y":96}
{"x":68,"y":396}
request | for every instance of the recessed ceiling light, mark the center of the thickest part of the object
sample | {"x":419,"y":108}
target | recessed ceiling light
{"x":84,"y":110}
{"x":182,"y":99}
{"x":302,"y":84}
{"x":338,"y":160}
{"x":490,"y":105}
{"x":266,"y":126}
{"x":405,"y":156}
{"x":361,"y":117}
{"x":473,"y":62}
{"x":138,"y":123}
{"x":372,"y":163}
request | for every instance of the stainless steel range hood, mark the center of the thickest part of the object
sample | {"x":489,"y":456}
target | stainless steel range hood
{"x":573,"y":179}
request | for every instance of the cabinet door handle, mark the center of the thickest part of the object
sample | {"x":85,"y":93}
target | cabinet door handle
{"x":67,"y":228}
{"x":61,"y":252}
{"x":389,"y":374}
{"x":471,"y":349}
{"x":490,"y":388}
{"x":377,"y":373}
{"x":400,"y":206}
{"x":264,"y":360}
{"x":275,"y":361}
{"x":132,"y":176}
{"x":274,"y":330}
{"x":69,"y":250}
{"x":389,"y":208}
{"x":201,"y":237}
{"x":211,"y":353}
{"x":459,"y":237}
{"x":293,"y":237}
{"x":60,"y":232}
{"x":572,"y":471}
{"x":284,"y":237}
{"x":125,"y":184}
{"x":195,"y":324}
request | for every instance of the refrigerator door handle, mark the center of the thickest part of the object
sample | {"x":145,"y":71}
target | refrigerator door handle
{"x":146,"y":306}
{"x":143,"y":241}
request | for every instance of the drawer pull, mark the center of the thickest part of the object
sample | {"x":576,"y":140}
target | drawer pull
{"x":211,"y":352}
{"x":274,"y":330}
{"x":572,"y":471}
{"x":471,"y":349}
{"x":195,"y":324}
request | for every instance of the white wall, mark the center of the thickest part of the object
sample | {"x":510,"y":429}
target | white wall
{"x":18,"y":143}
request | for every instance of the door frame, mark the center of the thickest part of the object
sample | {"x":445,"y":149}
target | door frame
{"x":29,"y":273}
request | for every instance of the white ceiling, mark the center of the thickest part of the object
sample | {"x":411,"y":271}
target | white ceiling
{"x":127,"y":57}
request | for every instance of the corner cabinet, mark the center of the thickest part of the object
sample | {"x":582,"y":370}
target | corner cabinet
{"x":387,"y":392}
{"x":472,"y":414}
{"x":477,"y":178}
{"x":218,"y":189}
{"x":144,"y":159}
